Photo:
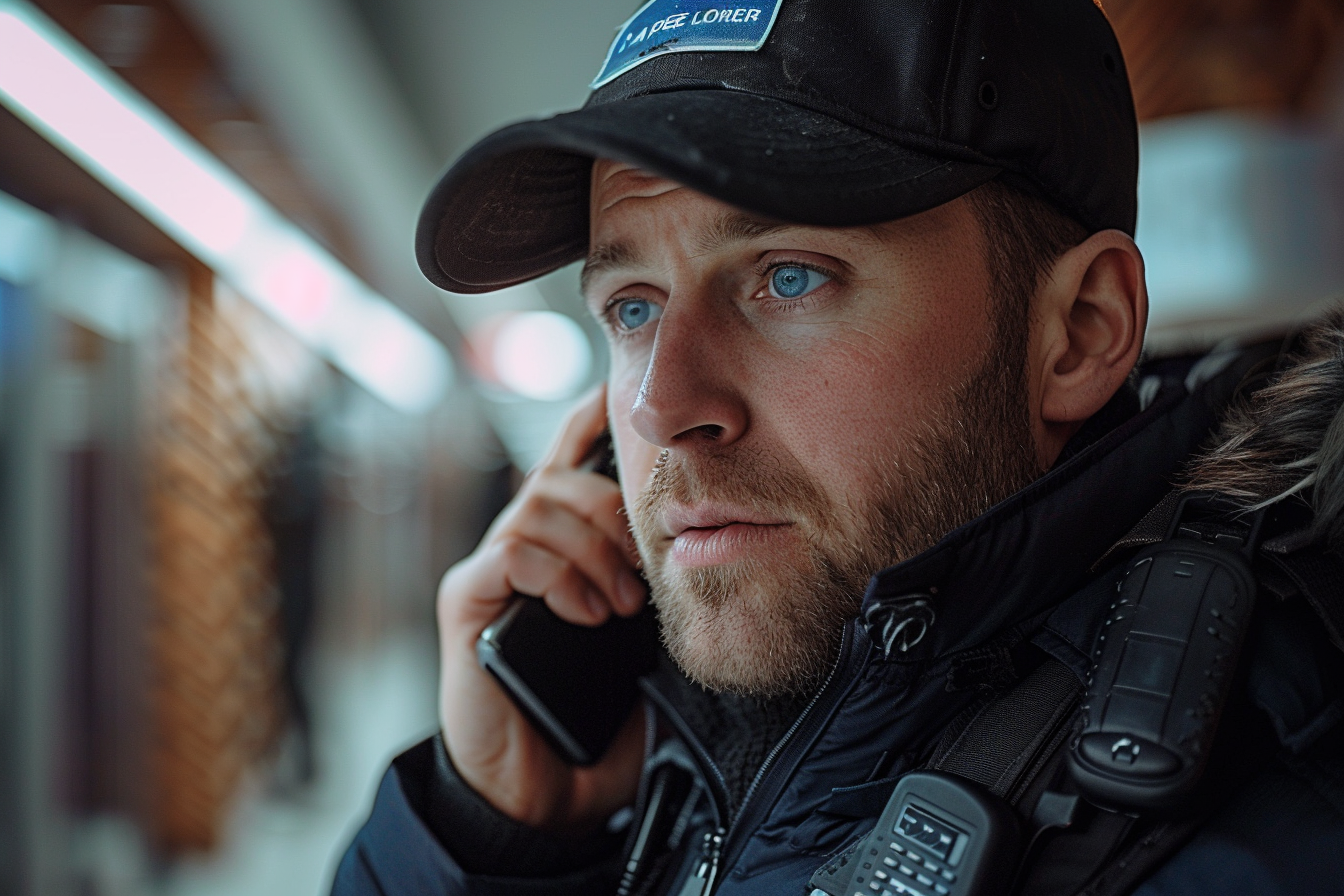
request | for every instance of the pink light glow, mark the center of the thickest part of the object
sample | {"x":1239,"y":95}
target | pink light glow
{"x":300,"y":290}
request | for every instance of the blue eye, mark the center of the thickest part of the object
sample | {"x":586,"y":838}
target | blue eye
{"x":635,"y":313}
{"x":792,"y":281}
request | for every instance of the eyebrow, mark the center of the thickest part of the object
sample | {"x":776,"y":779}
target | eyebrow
{"x":605,"y":257}
{"x":737,"y":227}
{"x":728,"y":228}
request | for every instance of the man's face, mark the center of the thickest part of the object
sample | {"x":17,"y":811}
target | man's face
{"x":793,"y":409}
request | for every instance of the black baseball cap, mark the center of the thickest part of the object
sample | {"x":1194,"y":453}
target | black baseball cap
{"x":822,"y":112}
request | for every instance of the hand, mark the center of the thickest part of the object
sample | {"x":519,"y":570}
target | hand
{"x":562,"y":539}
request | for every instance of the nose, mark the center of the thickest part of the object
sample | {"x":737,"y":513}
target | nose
{"x":692,"y":388}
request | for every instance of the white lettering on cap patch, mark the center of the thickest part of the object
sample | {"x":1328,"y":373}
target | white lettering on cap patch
{"x":678,"y":26}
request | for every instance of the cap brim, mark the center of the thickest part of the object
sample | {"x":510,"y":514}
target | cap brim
{"x":515,"y":206}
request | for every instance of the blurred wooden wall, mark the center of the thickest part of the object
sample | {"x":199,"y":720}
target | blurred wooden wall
{"x":1271,"y":56}
{"x":215,"y":627}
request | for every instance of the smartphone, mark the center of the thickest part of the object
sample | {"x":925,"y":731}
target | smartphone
{"x":576,"y":684}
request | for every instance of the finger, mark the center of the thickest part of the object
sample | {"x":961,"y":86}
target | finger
{"x":581,"y":428}
{"x":599,"y":501}
{"x":591,"y":496}
{"x":533,"y":570}
{"x":474,"y":592}
{"x":601,"y":560}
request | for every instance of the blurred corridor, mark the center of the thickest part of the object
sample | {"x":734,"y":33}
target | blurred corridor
{"x":241,"y":437}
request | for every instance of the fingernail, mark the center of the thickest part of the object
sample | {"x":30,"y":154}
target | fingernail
{"x":631,"y":591}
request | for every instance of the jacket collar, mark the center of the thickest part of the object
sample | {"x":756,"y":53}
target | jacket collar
{"x":1031,"y":551}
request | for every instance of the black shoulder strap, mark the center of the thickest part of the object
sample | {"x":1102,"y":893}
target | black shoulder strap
{"x":1014,"y":746}
{"x":1011,"y":738}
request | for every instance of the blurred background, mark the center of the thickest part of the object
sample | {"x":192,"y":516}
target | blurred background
{"x":241,"y":438}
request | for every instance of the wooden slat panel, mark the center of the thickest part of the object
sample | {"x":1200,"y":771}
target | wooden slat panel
{"x":215,"y":639}
{"x":1184,"y":56}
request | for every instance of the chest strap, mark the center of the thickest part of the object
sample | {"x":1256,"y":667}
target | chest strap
{"x":1007,"y":742}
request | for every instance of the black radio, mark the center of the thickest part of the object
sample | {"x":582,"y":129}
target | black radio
{"x":1165,"y":660}
{"x":940,"y":835}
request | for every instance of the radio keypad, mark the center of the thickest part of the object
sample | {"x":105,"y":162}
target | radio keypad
{"x":912,"y":872}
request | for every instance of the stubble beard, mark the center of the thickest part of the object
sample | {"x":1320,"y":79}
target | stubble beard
{"x":771,"y":626}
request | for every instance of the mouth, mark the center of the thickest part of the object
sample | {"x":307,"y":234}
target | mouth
{"x":712,"y":536}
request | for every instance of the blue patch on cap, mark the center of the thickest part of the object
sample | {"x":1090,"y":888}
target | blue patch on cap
{"x":678,"y":26}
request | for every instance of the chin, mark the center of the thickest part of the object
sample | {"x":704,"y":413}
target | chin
{"x":739,"y":631}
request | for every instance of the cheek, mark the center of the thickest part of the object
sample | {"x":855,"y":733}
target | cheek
{"x":872,"y":388}
{"x":853,"y":401}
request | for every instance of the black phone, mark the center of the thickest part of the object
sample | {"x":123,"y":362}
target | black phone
{"x":576,"y":684}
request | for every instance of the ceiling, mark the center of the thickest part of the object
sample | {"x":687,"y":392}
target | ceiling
{"x":374,"y":97}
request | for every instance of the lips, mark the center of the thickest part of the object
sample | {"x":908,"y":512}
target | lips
{"x":679,"y":519}
{"x":709,"y":535}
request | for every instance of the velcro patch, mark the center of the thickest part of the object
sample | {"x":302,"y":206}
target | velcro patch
{"x":679,"y":26}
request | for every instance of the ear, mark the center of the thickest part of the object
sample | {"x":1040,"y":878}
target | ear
{"x":1088,"y":324}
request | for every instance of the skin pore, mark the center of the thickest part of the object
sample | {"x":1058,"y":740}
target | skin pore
{"x":797,"y":407}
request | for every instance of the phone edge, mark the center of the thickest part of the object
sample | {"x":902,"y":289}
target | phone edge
{"x":490,"y":656}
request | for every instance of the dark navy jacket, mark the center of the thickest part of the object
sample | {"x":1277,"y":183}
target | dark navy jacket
{"x":1024,"y":569}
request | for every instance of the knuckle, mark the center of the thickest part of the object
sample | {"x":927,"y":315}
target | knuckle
{"x":535,"y":489}
{"x":537,"y":512}
{"x":525,"y":506}
{"x":453,"y":596}
{"x":567,"y":571}
{"x":451,"y":583}
{"x":511,"y":549}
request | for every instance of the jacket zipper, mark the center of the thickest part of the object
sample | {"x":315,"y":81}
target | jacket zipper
{"x":798,"y":723}
{"x":747,"y":819}
{"x":720,"y":846}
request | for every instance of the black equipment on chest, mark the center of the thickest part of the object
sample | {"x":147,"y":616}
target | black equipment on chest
{"x":1163,"y":669}
{"x":940,"y":835}
{"x":1164,"y":663}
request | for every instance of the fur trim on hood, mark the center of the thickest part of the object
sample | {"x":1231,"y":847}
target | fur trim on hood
{"x":1287,"y":438}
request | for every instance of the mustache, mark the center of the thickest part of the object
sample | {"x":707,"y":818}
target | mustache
{"x":744,"y":477}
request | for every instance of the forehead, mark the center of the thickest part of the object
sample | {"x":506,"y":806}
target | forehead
{"x":615,"y":182}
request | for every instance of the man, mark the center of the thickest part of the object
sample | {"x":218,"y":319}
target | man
{"x":874,"y":310}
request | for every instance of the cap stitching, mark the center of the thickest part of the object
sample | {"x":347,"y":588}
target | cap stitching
{"x":947,"y":72}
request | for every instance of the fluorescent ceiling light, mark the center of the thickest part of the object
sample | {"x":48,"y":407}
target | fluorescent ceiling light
{"x":66,"y":94}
